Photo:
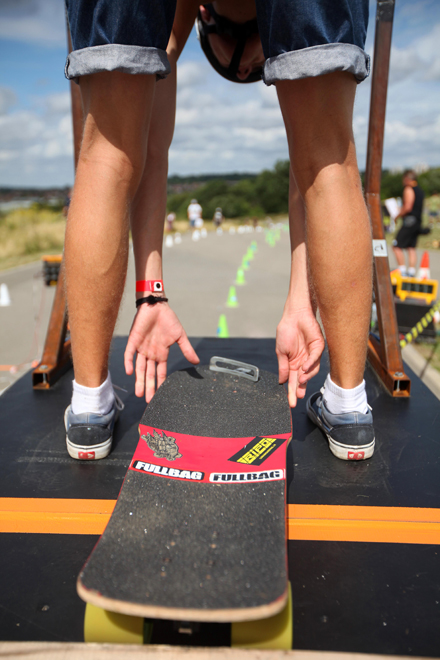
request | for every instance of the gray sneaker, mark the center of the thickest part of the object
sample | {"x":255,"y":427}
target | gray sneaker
{"x":89,"y":436}
{"x":350,"y":435}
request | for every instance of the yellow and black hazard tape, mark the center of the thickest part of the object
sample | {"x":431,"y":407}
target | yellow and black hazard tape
{"x":420,"y":326}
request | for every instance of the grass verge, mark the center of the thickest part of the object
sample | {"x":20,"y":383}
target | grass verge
{"x":27,"y":234}
{"x":430,"y":351}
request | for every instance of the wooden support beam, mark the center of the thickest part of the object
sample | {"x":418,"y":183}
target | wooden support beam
{"x":57,"y":357}
{"x":384,"y":356}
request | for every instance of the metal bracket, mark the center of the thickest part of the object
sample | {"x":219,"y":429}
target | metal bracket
{"x":241,"y":369}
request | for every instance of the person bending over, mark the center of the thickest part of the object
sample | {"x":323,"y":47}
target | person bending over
{"x":314,"y":55}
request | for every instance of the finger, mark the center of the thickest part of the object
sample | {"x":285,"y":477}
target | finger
{"x":150,"y":380}
{"x":305,"y":377}
{"x":187,"y":349}
{"x":301,"y":390}
{"x":292,"y":387}
{"x":161,"y":373}
{"x":283,"y":368}
{"x":314,"y":357}
{"x":128,"y":358}
{"x":141,"y":363}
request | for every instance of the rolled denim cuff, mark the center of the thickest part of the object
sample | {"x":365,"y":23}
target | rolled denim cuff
{"x":317,"y":61}
{"x":116,"y":57}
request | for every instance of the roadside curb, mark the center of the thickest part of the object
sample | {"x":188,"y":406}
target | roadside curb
{"x":427,"y":374}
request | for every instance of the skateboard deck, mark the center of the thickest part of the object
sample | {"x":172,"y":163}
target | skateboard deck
{"x":198,"y":532}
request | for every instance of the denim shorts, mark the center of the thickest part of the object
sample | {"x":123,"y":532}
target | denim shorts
{"x":119,"y":35}
{"x":307,"y":38}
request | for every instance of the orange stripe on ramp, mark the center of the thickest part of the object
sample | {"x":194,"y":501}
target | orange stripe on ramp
{"x":306,"y":522}
{"x":54,"y":516}
{"x":310,"y":522}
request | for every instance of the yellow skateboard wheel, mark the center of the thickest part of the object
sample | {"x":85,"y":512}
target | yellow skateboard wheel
{"x":276,"y":632}
{"x":104,"y":627}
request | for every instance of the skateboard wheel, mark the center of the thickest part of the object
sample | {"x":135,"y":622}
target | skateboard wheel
{"x":103,"y":627}
{"x":275,"y":632}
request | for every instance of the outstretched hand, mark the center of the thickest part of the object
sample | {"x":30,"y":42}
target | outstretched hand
{"x":299,"y":346}
{"x":155,"y":328}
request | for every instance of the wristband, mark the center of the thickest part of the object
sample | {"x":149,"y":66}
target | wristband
{"x":150,"y":300}
{"x":149,"y":285}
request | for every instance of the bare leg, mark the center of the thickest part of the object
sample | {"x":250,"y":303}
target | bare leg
{"x":400,"y":257}
{"x":117,"y":109}
{"x":412,"y":257}
{"x":318,"y":117}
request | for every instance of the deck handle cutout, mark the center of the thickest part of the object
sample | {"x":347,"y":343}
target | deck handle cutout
{"x":235,"y":368}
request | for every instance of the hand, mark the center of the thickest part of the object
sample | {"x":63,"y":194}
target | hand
{"x":155,"y":328}
{"x":299,"y":346}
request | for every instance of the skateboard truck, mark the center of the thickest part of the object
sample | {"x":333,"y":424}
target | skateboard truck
{"x":186,"y":627}
{"x":235,"y":368}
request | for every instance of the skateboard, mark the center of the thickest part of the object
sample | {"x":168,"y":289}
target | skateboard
{"x":198,"y":532}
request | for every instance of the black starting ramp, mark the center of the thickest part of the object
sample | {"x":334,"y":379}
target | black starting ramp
{"x":364,"y":536}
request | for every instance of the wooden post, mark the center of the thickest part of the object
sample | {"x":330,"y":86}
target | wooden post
{"x":384,"y":356}
{"x":57,"y":358}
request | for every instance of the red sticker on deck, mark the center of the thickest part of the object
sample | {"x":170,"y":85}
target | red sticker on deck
{"x":215,"y":460}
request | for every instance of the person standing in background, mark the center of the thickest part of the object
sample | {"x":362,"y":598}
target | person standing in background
{"x":411,"y":214}
{"x":194,"y":213}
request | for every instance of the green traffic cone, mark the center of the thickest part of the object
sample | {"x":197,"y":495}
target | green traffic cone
{"x":232,"y":297}
{"x":222,"y":328}
{"x":240,"y":277}
{"x":250,"y":254}
{"x":245,"y":263}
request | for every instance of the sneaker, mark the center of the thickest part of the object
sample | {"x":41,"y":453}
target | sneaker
{"x":89,"y":436}
{"x":350,"y":435}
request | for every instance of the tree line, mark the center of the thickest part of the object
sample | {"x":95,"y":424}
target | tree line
{"x":267,"y":192}
{"x":252,"y":196}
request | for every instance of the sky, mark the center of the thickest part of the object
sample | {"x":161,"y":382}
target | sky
{"x":220,"y":126}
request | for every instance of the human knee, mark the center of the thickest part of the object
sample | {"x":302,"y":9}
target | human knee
{"x":317,"y":114}
{"x":117,"y":111}
{"x":323,"y":179}
{"x":105,"y":161}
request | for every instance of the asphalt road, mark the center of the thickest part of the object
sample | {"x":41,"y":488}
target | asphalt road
{"x":197,"y":278}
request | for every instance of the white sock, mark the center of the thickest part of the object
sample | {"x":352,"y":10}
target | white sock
{"x":402,"y":270}
{"x":339,"y":401}
{"x":93,"y":399}
{"x":411,"y":271}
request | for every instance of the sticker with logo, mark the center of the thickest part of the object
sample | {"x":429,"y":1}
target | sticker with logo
{"x":163,"y":446}
{"x":356,"y":455}
{"x":86,"y":455}
{"x":172,"y":455}
{"x":257,"y":451}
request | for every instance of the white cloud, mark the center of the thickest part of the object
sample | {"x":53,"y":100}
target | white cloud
{"x":227,"y":127}
{"x":58,"y":103}
{"x":404,"y":63}
{"x":191,"y":73}
{"x":35,"y":21}
{"x":36,"y":144}
{"x":7,"y":99}
{"x":419,"y":60}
